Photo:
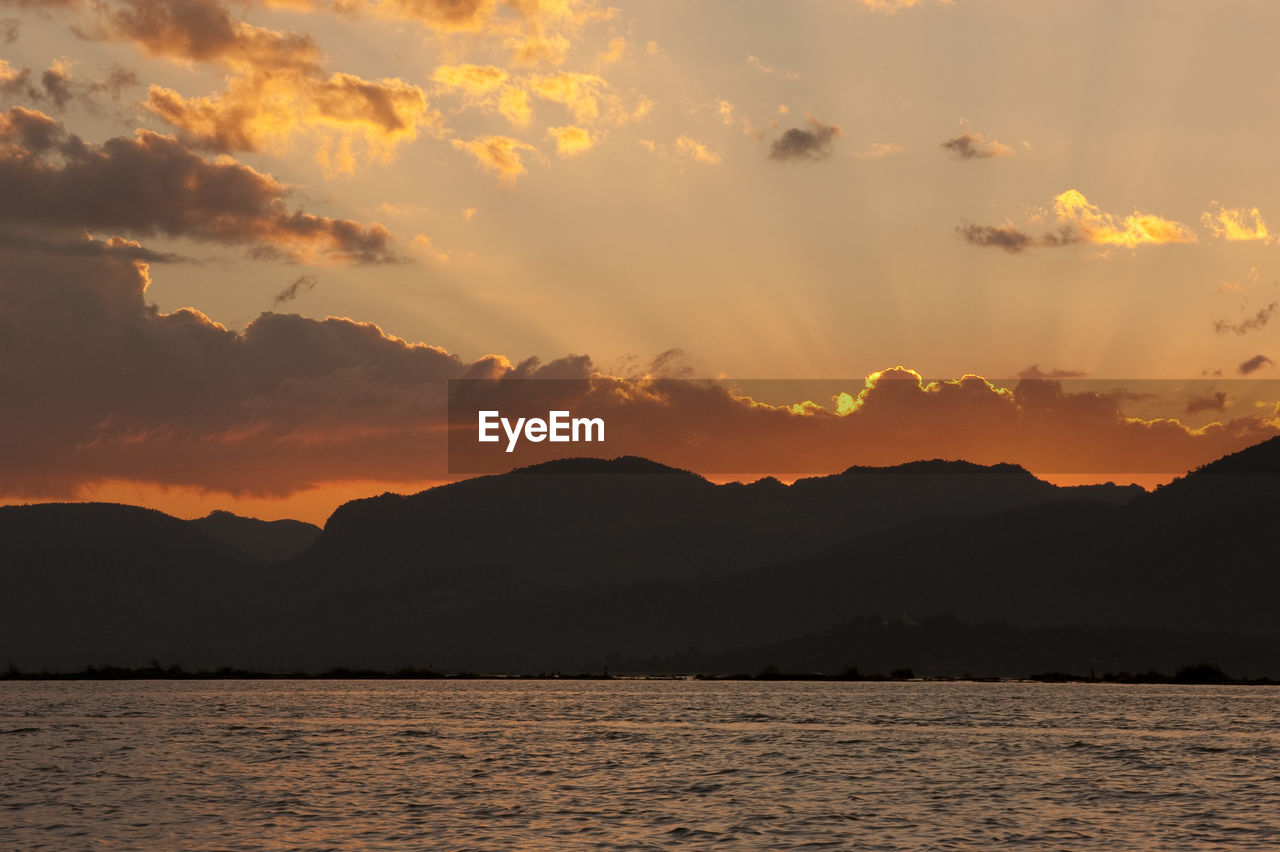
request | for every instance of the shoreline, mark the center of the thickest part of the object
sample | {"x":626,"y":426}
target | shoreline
{"x":1199,"y":675}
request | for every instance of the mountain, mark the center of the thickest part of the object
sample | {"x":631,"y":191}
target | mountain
{"x":261,"y":541}
{"x":552,"y":566}
{"x":92,"y":582}
{"x":944,"y":646}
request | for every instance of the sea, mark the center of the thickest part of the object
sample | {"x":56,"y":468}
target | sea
{"x":636,"y":764}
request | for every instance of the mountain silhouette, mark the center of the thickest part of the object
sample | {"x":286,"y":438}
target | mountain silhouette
{"x":555,"y":565}
{"x":261,"y":541}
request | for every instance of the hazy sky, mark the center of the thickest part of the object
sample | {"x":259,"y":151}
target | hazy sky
{"x":809,"y":189}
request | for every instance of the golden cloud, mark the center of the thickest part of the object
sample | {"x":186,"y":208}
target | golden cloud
{"x":497,"y":154}
{"x":695,"y":150}
{"x":513,"y":103}
{"x":580,"y":93}
{"x":571,"y":140}
{"x":267,"y":110}
{"x":1072,"y":208}
{"x":1236,"y":223}
{"x":472,"y":79}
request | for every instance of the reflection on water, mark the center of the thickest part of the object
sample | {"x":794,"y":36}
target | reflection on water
{"x":636,"y":764}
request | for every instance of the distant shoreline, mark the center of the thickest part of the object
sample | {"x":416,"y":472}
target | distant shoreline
{"x":1203,"y":674}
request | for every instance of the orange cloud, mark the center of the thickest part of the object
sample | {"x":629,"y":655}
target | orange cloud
{"x":534,"y":31}
{"x":259,"y":111}
{"x":588,"y":97}
{"x":1072,"y":208}
{"x":153,"y":184}
{"x":472,"y":79}
{"x":278,"y":90}
{"x":102,"y":387}
{"x":696,"y":151}
{"x":487,"y":86}
{"x":571,"y":140}
{"x":497,"y":154}
{"x":1236,"y":224}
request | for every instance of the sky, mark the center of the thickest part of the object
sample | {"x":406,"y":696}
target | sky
{"x":244,"y":245}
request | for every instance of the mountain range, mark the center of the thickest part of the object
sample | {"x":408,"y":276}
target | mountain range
{"x":943,"y":567}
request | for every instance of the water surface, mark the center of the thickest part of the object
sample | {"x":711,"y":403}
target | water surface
{"x":636,"y":765}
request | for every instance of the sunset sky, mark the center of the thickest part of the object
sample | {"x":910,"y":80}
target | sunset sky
{"x":243,"y":245}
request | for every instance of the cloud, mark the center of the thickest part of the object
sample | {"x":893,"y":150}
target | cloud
{"x":427,"y":246}
{"x":443,"y":15}
{"x":1034,"y":372}
{"x":472,"y":79}
{"x":695,"y":150}
{"x":1257,"y":362}
{"x":1236,"y":224}
{"x":203,"y":31}
{"x":1253,"y":323}
{"x":1011,"y":239}
{"x":497,"y":154}
{"x":888,"y":7}
{"x":1072,"y":208}
{"x":614,"y":53}
{"x":85,"y":246}
{"x":571,"y":140}
{"x":9,"y":29}
{"x":754,"y":62}
{"x":301,"y":284}
{"x":55,"y":88}
{"x":1080,"y":221}
{"x":540,"y":31}
{"x":278,"y":89}
{"x":588,"y":97}
{"x":1214,"y":401}
{"x":152,"y":184}
{"x":813,"y":143}
{"x":101,"y":386}
{"x":972,"y":146}
{"x":264,"y":110}
{"x":878,"y":150}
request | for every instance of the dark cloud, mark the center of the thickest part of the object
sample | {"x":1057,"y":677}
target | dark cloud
{"x":1257,"y":362}
{"x":9,"y":29}
{"x":1034,"y":372}
{"x":56,"y":83}
{"x":1013,"y":240}
{"x":17,"y":84}
{"x":972,"y":146}
{"x":42,"y":5}
{"x":153,"y":184}
{"x":202,"y":31}
{"x":301,"y":284}
{"x":86,"y":246}
{"x":56,"y":89}
{"x":31,"y":131}
{"x":1253,"y":323}
{"x":798,"y":143}
{"x":100,"y":385}
{"x":1213,"y":401}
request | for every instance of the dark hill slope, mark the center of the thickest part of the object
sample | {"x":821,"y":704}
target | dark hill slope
{"x":99,"y":582}
{"x":261,"y":541}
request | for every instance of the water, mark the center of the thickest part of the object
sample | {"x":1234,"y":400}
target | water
{"x":636,"y":765}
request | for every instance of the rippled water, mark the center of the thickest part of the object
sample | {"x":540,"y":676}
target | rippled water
{"x":636,"y":764}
